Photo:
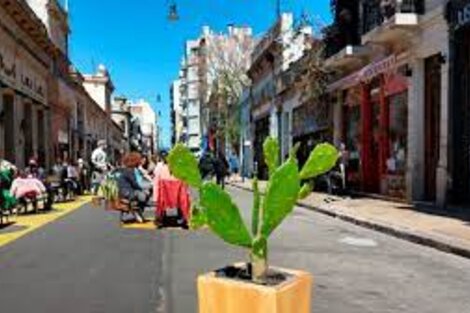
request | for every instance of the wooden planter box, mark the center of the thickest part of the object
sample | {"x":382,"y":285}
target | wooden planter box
{"x":223,"y":295}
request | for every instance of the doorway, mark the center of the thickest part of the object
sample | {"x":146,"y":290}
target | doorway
{"x":461,"y":118}
{"x":9,"y":128}
{"x":432,"y":120}
{"x":261,"y":133}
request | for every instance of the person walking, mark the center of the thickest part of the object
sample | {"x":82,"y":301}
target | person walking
{"x":221,"y":167}
{"x":206,"y":165}
{"x":234,"y":167}
{"x":99,"y":162}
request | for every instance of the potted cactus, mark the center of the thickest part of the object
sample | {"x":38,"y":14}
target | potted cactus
{"x":109,"y":192}
{"x":253,"y":286}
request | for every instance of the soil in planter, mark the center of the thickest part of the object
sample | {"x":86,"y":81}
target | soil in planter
{"x":243,"y":273}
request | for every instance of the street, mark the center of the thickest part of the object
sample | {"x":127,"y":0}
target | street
{"x":85,"y":262}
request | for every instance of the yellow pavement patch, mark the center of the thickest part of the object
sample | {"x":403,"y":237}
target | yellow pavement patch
{"x":141,"y":226}
{"x":29,"y":223}
{"x":149,"y":225}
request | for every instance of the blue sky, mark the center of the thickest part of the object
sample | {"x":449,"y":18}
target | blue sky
{"x":142,"y":49}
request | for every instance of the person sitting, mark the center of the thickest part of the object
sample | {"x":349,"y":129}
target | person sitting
{"x":7,"y":172}
{"x":143,"y":177}
{"x":73,"y":180}
{"x":170,"y":194}
{"x":83,"y":176}
{"x":35,"y":170}
{"x":129,"y":188}
{"x":26,"y":187}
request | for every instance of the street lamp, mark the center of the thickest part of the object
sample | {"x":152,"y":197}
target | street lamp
{"x":173,"y":15}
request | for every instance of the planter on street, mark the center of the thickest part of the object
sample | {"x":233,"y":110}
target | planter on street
{"x":255,"y":287}
{"x":227,"y":295}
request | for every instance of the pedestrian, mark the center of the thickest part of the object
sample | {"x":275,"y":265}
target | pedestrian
{"x":83,"y":176}
{"x":234,"y":166}
{"x":221,"y":167}
{"x":343,"y":164}
{"x":171,"y":195}
{"x":100,"y":165}
{"x":206,"y":165}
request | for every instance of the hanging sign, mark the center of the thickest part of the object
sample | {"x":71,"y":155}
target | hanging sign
{"x":463,"y":16}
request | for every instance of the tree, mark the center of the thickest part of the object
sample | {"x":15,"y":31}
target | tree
{"x":227,"y":59}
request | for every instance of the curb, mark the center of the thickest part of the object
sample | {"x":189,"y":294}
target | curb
{"x":401,"y":233}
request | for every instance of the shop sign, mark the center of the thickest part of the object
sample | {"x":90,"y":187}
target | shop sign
{"x":20,"y":76}
{"x":365,"y":74}
{"x":463,"y":16}
{"x":380,"y":67}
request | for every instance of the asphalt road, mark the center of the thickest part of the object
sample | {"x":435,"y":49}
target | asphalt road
{"x":87,"y":263}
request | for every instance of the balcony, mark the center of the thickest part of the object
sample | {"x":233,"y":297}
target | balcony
{"x":387,"y":21}
{"x":349,"y":56}
{"x":343,"y":44}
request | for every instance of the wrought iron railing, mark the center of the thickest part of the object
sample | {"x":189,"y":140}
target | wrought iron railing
{"x":375,"y":12}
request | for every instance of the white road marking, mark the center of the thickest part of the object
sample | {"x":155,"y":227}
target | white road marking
{"x":358,"y":242}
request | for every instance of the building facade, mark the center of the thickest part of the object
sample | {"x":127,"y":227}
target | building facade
{"x":203,"y":60}
{"x":390,"y":96}
{"x":280,"y":47}
{"x":45,"y":111}
{"x":177,"y":113}
{"x":26,"y":76}
{"x":458,"y":17}
{"x":146,"y":118}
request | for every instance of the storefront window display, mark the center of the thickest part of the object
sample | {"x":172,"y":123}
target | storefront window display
{"x":396,"y":164}
{"x":398,"y":134}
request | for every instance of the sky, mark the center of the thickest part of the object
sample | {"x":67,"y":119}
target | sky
{"x":142,"y":49}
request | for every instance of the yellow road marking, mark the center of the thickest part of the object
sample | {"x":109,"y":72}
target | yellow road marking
{"x":29,"y":223}
{"x":145,"y":226}
{"x":149,"y":225}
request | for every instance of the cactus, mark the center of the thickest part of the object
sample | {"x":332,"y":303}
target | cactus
{"x":217,"y":210}
{"x":109,"y":189}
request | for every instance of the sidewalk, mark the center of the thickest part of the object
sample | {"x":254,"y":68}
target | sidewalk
{"x":447,"y":231}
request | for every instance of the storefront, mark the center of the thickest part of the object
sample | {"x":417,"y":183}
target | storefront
{"x":374,"y":127}
{"x":310,"y":126}
{"x":459,"y":26}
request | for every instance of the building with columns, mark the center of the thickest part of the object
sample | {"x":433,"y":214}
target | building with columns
{"x":45,"y":109}
{"x":26,"y":76}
